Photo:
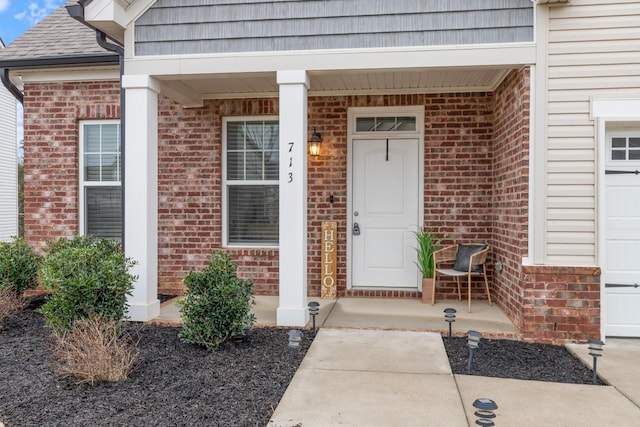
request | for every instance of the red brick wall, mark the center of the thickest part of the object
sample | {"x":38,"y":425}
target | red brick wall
{"x":458,"y":167}
{"x":510,"y":190}
{"x":457,"y":183}
{"x":561,"y":304}
{"x":190,"y":191}
{"x":51,"y":115}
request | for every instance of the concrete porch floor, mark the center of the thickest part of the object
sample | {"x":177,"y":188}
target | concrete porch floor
{"x":383,"y":313}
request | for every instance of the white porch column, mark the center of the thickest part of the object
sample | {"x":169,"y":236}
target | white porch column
{"x":141,"y":192}
{"x":292,"y":309}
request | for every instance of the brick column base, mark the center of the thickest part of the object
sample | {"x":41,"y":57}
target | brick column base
{"x":561,"y":304}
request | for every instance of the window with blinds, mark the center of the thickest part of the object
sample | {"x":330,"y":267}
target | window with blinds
{"x":100,"y":167}
{"x":251,"y":182}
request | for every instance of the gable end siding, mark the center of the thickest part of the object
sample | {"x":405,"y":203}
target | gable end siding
{"x":594,"y":51}
{"x":207,"y":26}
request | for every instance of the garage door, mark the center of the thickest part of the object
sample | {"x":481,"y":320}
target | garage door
{"x":622,"y":234}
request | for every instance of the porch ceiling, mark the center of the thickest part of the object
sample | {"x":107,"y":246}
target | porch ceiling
{"x":468,"y":79}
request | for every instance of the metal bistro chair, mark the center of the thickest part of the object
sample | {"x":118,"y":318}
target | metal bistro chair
{"x":469,"y":260}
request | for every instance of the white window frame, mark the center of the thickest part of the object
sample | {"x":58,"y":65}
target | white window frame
{"x":629,"y":131}
{"x":82,"y":184}
{"x":225,"y":193}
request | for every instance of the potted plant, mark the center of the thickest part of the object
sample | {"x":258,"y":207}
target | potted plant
{"x":427,"y":243}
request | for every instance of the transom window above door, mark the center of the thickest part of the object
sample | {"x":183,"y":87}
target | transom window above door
{"x":386,"y":124}
{"x":251,"y":173}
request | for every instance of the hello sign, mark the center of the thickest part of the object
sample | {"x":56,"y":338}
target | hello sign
{"x":329,"y":257}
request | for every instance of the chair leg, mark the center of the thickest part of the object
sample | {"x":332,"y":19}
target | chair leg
{"x":459,"y":293}
{"x":486,"y":284}
{"x":433,"y":291}
{"x":469,"y":286}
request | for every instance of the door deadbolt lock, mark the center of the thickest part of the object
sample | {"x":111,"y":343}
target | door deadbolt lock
{"x":356,"y":229}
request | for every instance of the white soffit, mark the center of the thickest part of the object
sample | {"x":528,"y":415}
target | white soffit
{"x":194,"y":88}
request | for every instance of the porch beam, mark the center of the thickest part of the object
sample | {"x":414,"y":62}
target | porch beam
{"x":292,"y":307}
{"x":497,"y":56}
{"x":141,"y":193}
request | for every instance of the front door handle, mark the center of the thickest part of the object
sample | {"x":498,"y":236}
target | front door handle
{"x":356,"y":229}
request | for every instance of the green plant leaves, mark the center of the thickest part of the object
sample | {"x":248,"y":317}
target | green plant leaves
{"x":216,"y":304}
{"x":427,"y":244}
{"x":87,"y":278}
{"x":19,"y":266}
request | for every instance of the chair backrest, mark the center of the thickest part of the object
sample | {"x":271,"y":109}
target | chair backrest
{"x":464,"y":254}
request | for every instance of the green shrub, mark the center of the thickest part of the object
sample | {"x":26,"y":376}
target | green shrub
{"x":19,"y":266}
{"x":88,"y":278}
{"x":217,"y":304}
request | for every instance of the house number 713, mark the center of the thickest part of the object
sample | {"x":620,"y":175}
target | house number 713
{"x":290,"y":163}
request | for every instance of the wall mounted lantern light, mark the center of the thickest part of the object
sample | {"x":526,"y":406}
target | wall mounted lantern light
{"x":314,"y":143}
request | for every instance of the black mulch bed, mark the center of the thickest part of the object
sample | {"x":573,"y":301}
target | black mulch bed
{"x":165,"y":297}
{"x":177,"y":384}
{"x":518,"y":360}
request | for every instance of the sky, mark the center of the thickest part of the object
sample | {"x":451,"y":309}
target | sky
{"x":17,"y":16}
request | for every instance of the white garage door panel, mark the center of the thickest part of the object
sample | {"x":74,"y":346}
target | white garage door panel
{"x":622,"y":256}
{"x":623,"y":320}
{"x":622,"y":271}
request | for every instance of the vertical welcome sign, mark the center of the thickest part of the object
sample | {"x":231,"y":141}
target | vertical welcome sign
{"x":329,"y":257}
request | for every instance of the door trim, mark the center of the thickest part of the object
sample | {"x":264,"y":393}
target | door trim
{"x":352,"y":135}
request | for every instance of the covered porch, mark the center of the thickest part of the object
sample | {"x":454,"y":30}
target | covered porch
{"x":462,"y":166}
{"x":382,"y":313}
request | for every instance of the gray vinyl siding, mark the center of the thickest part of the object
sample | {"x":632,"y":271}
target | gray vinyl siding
{"x":8,"y":167}
{"x":172,"y":27}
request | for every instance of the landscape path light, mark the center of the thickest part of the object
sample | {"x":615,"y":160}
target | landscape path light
{"x":485,"y":411}
{"x":295,"y":337}
{"x":450,"y":317}
{"x":595,"y":350}
{"x":473,"y":342}
{"x":314,"y":309}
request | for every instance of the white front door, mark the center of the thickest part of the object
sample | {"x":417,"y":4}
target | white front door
{"x":385,"y":213}
{"x":622,"y":272}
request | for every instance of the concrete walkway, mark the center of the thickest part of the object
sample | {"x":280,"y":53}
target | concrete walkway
{"x":375,"y":362}
{"x":353,"y":377}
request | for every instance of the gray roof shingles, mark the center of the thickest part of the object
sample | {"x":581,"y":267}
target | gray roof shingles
{"x":57,"y":35}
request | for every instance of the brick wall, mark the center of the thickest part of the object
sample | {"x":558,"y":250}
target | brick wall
{"x":458,"y":167}
{"x":190,"y":192}
{"x":458,"y":184}
{"x":51,"y":118}
{"x":561,"y":304}
{"x":510,"y":190}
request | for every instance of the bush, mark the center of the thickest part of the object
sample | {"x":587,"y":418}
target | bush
{"x":10,"y":304}
{"x":217,"y":304}
{"x":19,"y":266}
{"x":88,"y":278}
{"x":95,"y":350}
